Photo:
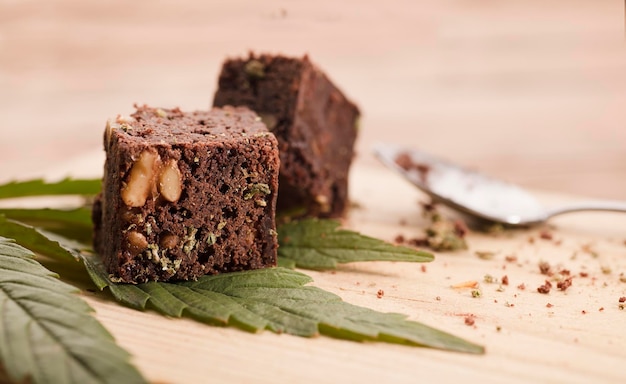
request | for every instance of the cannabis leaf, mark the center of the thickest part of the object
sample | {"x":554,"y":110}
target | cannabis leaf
{"x":278,"y":300}
{"x":319,"y":244}
{"x":47,"y":333}
{"x":71,"y":223}
{"x":35,"y":239}
{"x":42,"y":188}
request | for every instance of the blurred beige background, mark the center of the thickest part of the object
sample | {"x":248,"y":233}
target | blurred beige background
{"x":531,"y":91}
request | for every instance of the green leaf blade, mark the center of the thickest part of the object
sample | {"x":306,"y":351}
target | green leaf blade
{"x":35,"y":240}
{"x":39,"y":187}
{"x":278,"y":300}
{"x":47,"y":333}
{"x":319,"y":244}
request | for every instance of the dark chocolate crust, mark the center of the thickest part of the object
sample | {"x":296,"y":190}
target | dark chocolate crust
{"x":222,"y":219}
{"x":315,"y":124}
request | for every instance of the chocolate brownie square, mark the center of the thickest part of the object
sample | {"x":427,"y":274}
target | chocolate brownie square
{"x":315,"y":124}
{"x":187,"y":194}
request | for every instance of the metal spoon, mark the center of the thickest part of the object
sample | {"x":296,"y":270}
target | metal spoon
{"x":475,"y":193}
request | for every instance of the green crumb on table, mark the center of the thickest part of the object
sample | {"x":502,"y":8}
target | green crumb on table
{"x":476,"y":293}
{"x":485,"y":255}
{"x":443,"y":234}
{"x":489,"y":279}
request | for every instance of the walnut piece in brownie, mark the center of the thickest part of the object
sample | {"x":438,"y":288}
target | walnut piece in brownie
{"x":315,"y":124}
{"x":187,"y":194}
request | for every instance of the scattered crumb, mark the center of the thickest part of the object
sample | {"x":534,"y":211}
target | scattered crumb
{"x":489,"y":279}
{"x":587,"y":248}
{"x":505,"y":280}
{"x":545,"y":288}
{"x":423,"y":268}
{"x":583,"y":274}
{"x":549,"y":305}
{"x":466,"y":284}
{"x":476,"y":293}
{"x":400,"y":239}
{"x":469,"y":320}
{"x":498,"y":328}
{"x":511,"y":258}
{"x":605,"y":269}
{"x":622,"y":278}
{"x":521,"y":287}
{"x":545,"y":268}
{"x":583,"y":312}
{"x":485,"y":255}
{"x":564,"y":284}
{"x":380,"y":293}
{"x":405,"y":161}
{"x":546,"y":235}
{"x":438,"y":298}
{"x":622,"y":299}
{"x":509,"y":304}
{"x":601,"y":309}
{"x":531,"y":240}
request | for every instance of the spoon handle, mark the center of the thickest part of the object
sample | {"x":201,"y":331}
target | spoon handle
{"x":592,"y":205}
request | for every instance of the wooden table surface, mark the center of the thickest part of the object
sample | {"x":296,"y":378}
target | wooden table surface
{"x":528,"y":91}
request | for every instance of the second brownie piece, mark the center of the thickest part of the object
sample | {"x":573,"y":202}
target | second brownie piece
{"x":187,"y":194}
{"x":315,"y":125}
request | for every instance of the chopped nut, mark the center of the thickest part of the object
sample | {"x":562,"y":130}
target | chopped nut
{"x":469,"y":320}
{"x":136,"y":242}
{"x":169,"y":241}
{"x":108,"y":131}
{"x":380,"y":293}
{"x":170,"y":181}
{"x":140,"y":181}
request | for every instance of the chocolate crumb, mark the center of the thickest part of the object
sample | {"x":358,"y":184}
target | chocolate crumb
{"x":622,"y":299}
{"x":511,"y":258}
{"x":583,"y":274}
{"x":601,"y":309}
{"x":469,"y":320}
{"x":564,"y":284}
{"x":498,"y":328}
{"x":549,"y":305}
{"x":545,"y":288}
{"x":405,"y":162}
{"x":505,"y":280}
{"x":399,"y":239}
{"x":545,"y":268}
{"x":583,"y":312}
{"x":460,"y":228}
{"x":380,"y":293}
{"x":546,"y":235}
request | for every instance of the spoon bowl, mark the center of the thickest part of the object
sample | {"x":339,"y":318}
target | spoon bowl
{"x":475,"y":193}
